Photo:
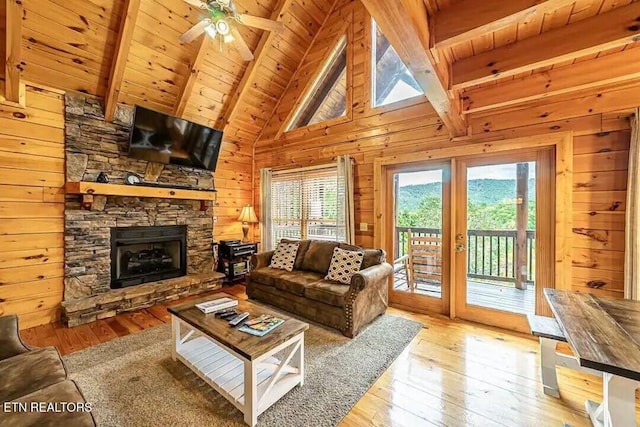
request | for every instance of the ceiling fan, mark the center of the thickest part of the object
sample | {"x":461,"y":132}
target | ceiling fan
{"x":220,"y":23}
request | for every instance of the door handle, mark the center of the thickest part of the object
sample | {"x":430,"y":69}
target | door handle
{"x":460,"y":247}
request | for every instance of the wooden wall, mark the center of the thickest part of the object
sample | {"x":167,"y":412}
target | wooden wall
{"x":32,"y":208}
{"x":599,"y":202}
{"x":599,"y":121}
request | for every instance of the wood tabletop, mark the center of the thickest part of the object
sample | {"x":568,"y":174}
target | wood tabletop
{"x":603,"y":333}
{"x":247,"y":345}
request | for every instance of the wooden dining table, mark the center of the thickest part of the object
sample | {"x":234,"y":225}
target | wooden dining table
{"x":604,"y":335}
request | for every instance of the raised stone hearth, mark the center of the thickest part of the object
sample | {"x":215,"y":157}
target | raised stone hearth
{"x":108,"y":304}
{"x":94,"y":146}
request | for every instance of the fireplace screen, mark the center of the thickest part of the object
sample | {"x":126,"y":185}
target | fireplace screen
{"x":146,"y":254}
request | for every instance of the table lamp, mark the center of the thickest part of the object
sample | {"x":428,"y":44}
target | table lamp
{"x":246,"y":216}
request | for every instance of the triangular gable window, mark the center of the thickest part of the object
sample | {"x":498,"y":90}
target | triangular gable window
{"x":391,"y":79}
{"x":327,"y":98}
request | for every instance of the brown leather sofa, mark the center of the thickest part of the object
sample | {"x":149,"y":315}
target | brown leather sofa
{"x":35,"y":376}
{"x":305,"y":292}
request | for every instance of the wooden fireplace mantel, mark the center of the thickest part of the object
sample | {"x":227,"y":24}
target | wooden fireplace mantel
{"x":89,"y":189}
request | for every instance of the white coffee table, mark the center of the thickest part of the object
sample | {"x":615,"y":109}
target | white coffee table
{"x":239,"y":366}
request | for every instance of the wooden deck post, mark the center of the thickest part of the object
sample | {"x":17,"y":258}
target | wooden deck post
{"x":522,"y":218}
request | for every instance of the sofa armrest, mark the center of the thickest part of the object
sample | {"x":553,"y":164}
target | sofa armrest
{"x":260,"y":260}
{"x":10,"y":342}
{"x":369,"y":276}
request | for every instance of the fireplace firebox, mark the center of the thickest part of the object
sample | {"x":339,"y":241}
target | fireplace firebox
{"x":147,"y":254}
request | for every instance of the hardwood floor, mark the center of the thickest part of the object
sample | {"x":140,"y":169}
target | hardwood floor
{"x":69,"y":340}
{"x":452,"y":374}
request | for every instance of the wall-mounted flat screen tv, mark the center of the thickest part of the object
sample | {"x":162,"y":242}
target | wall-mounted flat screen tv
{"x":161,"y":138}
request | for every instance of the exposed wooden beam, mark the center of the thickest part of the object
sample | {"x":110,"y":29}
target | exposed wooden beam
{"x":13,"y":45}
{"x":194,"y":70}
{"x":590,"y":36}
{"x":620,"y":97}
{"x":609,"y":69}
{"x":267,"y":39}
{"x":127,"y":26}
{"x":405,"y":24}
{"x":469,"y":19}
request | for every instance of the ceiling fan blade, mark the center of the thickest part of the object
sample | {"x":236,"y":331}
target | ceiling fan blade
{"x":242,"y":45}
{"x":262,"y":23}
{"x":196,"y":3}
{"x":195,"y":31}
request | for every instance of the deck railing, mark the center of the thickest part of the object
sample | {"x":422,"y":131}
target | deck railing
{"x":491,"y":254}
{"x":316,"y":230}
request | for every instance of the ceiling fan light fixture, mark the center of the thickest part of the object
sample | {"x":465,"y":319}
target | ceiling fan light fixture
{"x":211,"y":31}
{"x":222,"y":26}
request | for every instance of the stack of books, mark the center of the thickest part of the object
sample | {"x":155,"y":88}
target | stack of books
{"x":262,"y":325}
{"x":217,"y":305}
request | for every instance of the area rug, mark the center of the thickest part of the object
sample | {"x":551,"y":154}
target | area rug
{"x":132,"y":381}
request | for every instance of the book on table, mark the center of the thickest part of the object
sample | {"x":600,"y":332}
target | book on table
{"x":261,"y":325}
{"x":217,"y":305}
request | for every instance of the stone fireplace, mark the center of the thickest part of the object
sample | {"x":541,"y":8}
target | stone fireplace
{"x":126,"y":253}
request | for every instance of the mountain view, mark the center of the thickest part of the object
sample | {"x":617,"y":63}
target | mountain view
{"x":491,"y":204}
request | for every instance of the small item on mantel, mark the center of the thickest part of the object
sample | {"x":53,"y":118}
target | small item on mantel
{"x":132,"y":179}
{"x":103,"y":178}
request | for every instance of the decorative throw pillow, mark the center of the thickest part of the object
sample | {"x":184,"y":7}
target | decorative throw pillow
{"x":285,"y":256}
{"x":344,"y":264}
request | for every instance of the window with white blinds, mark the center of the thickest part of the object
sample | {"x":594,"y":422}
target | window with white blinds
{"x":304,"y":204}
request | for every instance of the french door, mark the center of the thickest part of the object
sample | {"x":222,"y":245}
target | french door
{"x":503,"y":240}
{"x":419,"y":225}
{"x":473,"y":237}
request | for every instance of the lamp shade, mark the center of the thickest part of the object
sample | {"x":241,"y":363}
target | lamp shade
{"x":248,"y":214}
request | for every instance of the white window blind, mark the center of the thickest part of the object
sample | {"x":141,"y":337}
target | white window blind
{"x":304,"y":204}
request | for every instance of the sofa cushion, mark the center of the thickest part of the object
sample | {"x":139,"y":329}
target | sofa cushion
{"x":65,"y":391}
{"x":348,"y":247}
{"x":30,"y":371}
{"x":266,"y":275}
{"x":302,"y":251}
{"x":297,"y":281}
{"x":284,"y":257}
{"x":344,"y":264}
{"x":318,"y":256}
{"x":371,"y":256}
{"x":328,"y":292}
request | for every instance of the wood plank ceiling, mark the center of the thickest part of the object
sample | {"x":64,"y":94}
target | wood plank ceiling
{"x":538,"y":49}
{"x":490,"y":54}
{"x":482,"y":55}
{"x":72,"y":44}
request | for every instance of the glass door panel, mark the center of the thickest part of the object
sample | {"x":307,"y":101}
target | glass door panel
{"x":501,"y":224}
{"x":500,"y":233}
{"x":419,"y":233}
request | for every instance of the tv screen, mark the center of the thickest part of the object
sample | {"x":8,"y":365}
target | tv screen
{"x":161,"y":138}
